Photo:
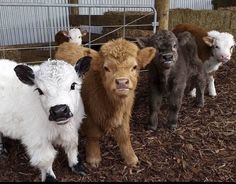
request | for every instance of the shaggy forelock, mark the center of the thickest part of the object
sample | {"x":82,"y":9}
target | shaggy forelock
{"x":163,"y":37}
{"x":119,"y":49}
{"x":54,"y":71}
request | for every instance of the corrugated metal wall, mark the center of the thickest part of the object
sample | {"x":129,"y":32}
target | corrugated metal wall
{"x":192,"y":4}
{"x":23,"y":25}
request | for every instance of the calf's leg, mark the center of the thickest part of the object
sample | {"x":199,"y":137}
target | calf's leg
{"x":71,"y":149}
{"x":154,"y":105}
{"x":211,"y":86}
{"x":122,"y":137}
{"x":200,"y":89}
{"x":175,"y":102}
{"x":93,"y":152}
{"x":3,"y":151}
{"x":42,"y":157}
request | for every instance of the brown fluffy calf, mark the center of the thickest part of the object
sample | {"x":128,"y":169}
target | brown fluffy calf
{"x":108,"y":94}
{"x":72,"y":52}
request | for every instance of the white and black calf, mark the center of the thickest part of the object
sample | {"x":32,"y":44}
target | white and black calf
{"x":41,"y":106}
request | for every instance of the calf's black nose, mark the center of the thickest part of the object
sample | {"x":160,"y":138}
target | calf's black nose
{"x":60,"y":113}
{"x":167,"y":57}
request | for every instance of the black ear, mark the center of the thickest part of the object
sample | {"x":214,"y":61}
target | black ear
{"x":143,"y":42}
{"x":25,"y":74}
{"x":82,"y":65}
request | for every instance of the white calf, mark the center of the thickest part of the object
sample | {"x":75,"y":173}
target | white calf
{"x":41,"y":106}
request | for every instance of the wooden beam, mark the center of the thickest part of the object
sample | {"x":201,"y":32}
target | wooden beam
{"x":162,"y":7}
{"x":74,"y":10}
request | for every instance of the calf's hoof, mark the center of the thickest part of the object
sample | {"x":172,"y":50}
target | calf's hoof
{"x":172,"y":125}
{"x":212,"y":94}
{"x":93,"y":161}
{"x":193,"y":93}
{"x":50,"y":178}
{"x":153,"y":121}
{"x":3,"y":153}
{"x":80,"y":169}
{"x":199,"y":104}
{"x":133,"y":161}
{"x":151,"y":127}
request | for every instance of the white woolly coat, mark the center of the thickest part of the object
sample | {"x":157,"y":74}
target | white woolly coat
{"x":22,"y":117}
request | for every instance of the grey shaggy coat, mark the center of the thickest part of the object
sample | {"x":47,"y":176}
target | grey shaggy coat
{"x":176,"y":64}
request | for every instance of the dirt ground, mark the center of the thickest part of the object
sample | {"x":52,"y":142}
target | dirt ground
{"x":203,"y":148}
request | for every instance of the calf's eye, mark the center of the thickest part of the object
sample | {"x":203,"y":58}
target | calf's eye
{"x":106,"y":69}
{"x":174,"y":46}
{"x":134,"y":68}
{"x":40,"y":91}
{"x":216,"y":47}
{"x":72,"y":87}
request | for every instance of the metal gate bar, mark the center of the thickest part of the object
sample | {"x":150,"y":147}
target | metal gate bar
{"x":89,"y":6}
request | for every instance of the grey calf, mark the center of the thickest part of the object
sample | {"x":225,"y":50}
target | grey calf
{"x":175,"y":65}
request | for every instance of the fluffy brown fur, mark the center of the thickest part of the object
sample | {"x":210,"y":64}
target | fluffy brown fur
{"x":72,"y":52}
{"x":204,"y":51}
{"x":108,"y":94}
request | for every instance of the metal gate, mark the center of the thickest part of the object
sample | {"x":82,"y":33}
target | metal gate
{"x":35,"y":34}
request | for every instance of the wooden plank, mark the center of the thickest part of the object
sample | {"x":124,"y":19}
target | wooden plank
{"x":162,"y":7}
{"x":74,"y":10}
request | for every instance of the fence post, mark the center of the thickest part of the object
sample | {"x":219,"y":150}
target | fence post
{"x":162,"y":7}
{"x":74,"y":10}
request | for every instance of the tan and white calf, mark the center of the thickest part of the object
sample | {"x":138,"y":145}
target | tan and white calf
{"x":214,"y":49}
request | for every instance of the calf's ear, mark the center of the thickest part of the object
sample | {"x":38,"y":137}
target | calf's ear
{"x":142,"y":41}
{"x":25,"y":74}
{"x":84,"y":33}
{"x":61,"y":37}
{"x":208,"y":40}
{"x":183,"y":37}
{"x":95,"y":65}
{"x":145,"y":56}
{"x":82,"y":65}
